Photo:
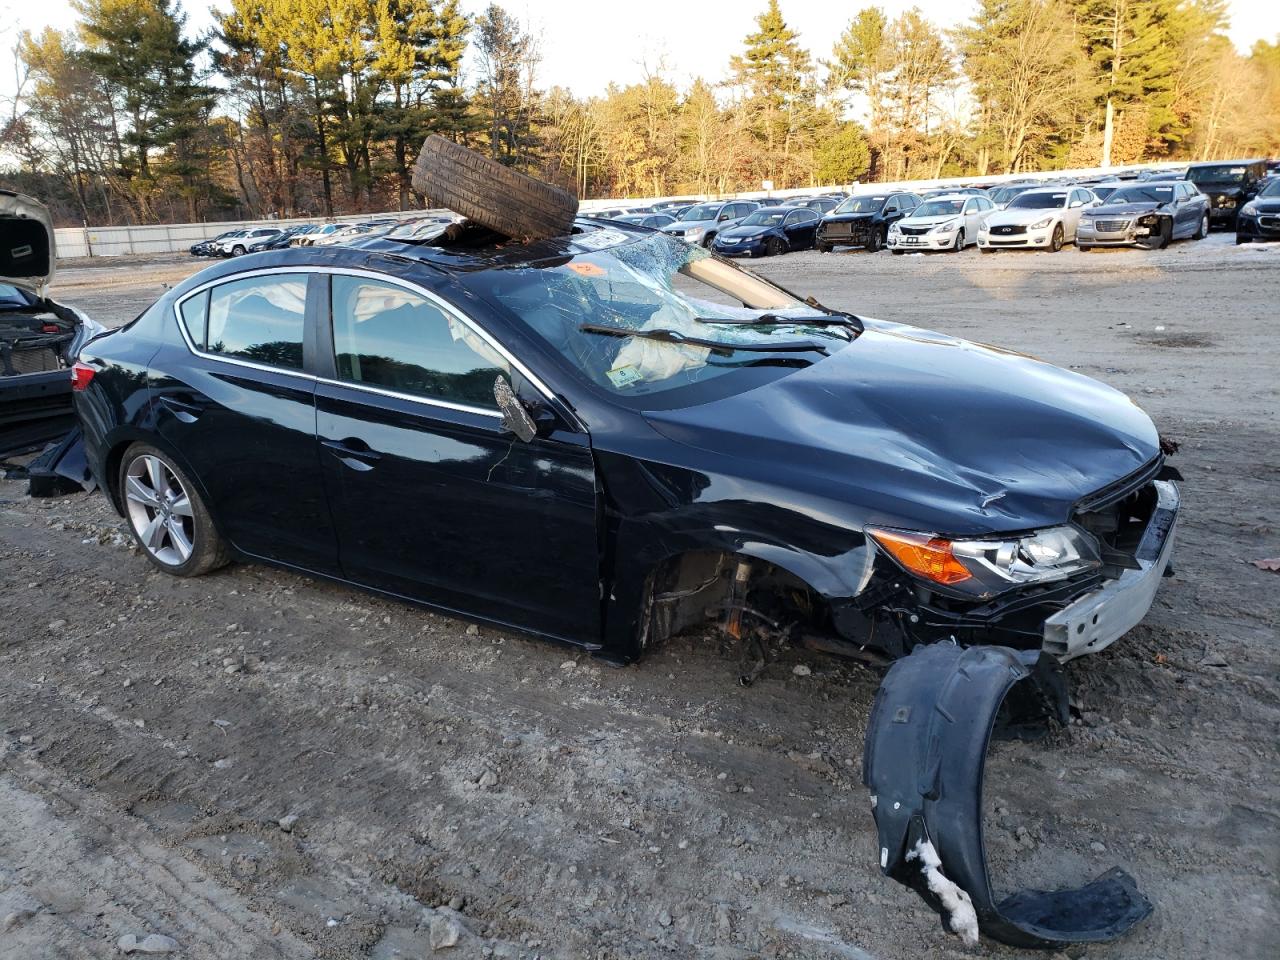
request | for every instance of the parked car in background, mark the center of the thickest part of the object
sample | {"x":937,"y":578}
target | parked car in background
{"x":246,"y":241}
{"x":206,"y":248}
{"x":353,"y":231}
{"x":700,"y":223}
{"x":1229,"y":185}
{"x":308,"y":237}
{"x":863,"y":220}
{"x":1044,"y":218}
{"x":671,"y":207}
{"x":767,"y":232}
{"x":419,"y":228}
{"x":284,"y":238}
{"x":39,"y":336}
{"x":1259,"y":219}
{"x":655,"y":221}
{"x":1163,"y":176}
{"x":1001,"y":196}
{"x":949,"y":222}
{"x":1105,"y":188}
{"x":822,"y":205}
{"x":1150,"y":214}
{"x":952,"y":192}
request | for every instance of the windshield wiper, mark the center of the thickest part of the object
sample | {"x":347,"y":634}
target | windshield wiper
{"x":832,"y":318}
{"x":663,"y":335}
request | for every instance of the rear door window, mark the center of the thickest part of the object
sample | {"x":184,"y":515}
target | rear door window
{"x":259,"y":318}
{"x":385,"y":335}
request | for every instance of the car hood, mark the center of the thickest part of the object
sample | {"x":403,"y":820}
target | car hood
{"x":846,"y":217}
{"x":1267,"y":204}
{"x":741,"y":232}
{"x":1021,"y":217}
{"x":28,"y":251}
{"x":1220,"y":189}
{"x":928,"y":221}
{"x":912,"y":428}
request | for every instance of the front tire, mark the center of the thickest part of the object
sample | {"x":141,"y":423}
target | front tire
{"x":1083,"y":247}
{"x":1203,"y":230}
{"x":237,"y":251}
{"x":1166,"y":233}
{"x":774,"y":248}
{"x":824,"y":248}
{"x":1055,"y":242}
{"x":876,"y":241}
{"x":166,"y":515}
{"x":959,"y":244}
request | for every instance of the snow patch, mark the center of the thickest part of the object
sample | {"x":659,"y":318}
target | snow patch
{"x":957,"y":903}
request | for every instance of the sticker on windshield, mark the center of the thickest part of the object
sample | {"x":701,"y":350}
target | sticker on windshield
{"x":625,"y":376}
{"x":600,"y":239}
{"x":1236,"y":171}
{"x":584,"y":269}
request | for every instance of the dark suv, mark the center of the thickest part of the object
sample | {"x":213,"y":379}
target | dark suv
{"x":863,"y":220}
{"x":1229,"y":185}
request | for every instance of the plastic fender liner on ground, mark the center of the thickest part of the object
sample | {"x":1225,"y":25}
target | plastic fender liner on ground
{"x":926,"y":751}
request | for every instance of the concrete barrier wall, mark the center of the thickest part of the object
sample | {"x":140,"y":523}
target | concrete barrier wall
{"x":177,"y":237}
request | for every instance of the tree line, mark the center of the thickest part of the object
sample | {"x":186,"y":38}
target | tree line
{"x":317,"y":107}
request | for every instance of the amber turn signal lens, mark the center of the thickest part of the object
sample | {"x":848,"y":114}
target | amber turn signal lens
{"x":929,"y":557}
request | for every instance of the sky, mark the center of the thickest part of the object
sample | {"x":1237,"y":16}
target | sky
{"x":586,"y":44}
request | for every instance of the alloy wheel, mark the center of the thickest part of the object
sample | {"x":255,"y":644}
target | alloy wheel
{"x":159,"y":510}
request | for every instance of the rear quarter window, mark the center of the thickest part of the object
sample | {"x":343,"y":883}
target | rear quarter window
{"x":259,"y":319}
{"x":195,"y":317}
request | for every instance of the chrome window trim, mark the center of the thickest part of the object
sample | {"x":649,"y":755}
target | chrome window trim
{"x":436,"y":300}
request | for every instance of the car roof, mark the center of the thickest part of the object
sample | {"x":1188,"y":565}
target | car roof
{"x":482,"y":250}
{"x":953,"y":196}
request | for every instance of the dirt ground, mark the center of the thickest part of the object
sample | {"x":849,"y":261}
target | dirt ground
{"x":454,"y":782}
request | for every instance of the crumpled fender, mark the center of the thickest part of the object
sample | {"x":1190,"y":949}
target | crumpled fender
{"x":925,"y":754}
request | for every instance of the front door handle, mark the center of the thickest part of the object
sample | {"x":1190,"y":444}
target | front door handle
{"x":353,"y":452}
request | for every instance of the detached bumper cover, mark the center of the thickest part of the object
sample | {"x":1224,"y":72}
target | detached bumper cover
{"x":926,"y":750}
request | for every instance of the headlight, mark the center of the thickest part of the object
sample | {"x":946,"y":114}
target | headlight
{"x":990,"y":566}
{"x":945,"y":227}
{"x":1041,"y":224}
{"x":695,"y":232}
{"x":1249,"y":209}
{"x":893,"y":227}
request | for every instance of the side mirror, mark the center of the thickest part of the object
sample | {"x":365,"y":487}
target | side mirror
{"x":515,"y":417}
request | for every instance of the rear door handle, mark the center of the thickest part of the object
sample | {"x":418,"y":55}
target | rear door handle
{"x":353,"y":452}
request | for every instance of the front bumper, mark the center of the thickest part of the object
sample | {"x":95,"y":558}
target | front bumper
{"x":738,"y":248}
{"x":1032,"y":239}
{"x":1223,"y":214}
{"x":836,"y":236}
{"x":1098,"y":619}
{"x":1264,"y":226}
{"x":1118,"y":233}
{"x":921,"y":241}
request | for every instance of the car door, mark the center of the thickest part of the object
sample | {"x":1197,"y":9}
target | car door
{"x":1076,"y":202}
{"x":1187,"y":218}
{"x":800,"y":227}
{"x":432,"y":498}
{"x":234,"y":399}
{"x":972,"y":219}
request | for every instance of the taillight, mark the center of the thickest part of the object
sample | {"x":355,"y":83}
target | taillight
{"x":81,"y":376}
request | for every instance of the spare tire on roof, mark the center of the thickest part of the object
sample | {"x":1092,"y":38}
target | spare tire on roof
{"x":491,"y":194}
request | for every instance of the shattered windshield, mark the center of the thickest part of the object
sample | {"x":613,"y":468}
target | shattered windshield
{"x":1152,"y":194}
{"x":861,"y":205}
{"x":1227,"y":173}
{"x":659,"y":317}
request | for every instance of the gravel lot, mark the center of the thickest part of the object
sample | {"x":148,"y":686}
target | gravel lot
{"x":160,"y":736}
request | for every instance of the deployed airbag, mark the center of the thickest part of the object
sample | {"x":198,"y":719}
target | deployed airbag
{"x":926,"y":751}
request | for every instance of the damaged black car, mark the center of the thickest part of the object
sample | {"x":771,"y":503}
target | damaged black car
{"x":604,"y":435}
{"x":39,"y":337}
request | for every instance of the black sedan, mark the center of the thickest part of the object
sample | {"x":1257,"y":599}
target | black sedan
{"x":863,"y":220}
{"x":768,"y":232}
{"x":608,"y":437}
{"x":1259,"y":219}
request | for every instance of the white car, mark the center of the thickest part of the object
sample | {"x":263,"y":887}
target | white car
{"x":245,"y":241}
{"x":949,"y":222}
{"x":1040,"y":219}
{"x":319,"y":231}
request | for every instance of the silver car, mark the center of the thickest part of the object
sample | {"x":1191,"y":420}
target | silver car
{"x":700,"y":223}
